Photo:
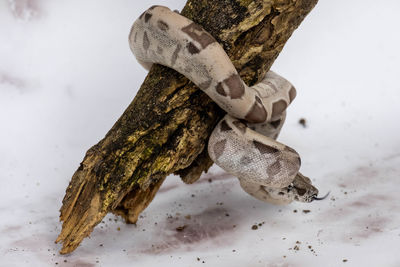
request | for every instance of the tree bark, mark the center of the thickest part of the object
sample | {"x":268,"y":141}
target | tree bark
{"x":166,"y":127}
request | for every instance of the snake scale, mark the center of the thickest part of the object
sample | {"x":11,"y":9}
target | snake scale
{"x":244,"y":142}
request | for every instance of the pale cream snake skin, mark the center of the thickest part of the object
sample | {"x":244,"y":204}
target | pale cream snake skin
{"x":243,"y":143}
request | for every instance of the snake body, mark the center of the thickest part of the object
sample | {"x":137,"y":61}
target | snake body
{"x":243,"y":143}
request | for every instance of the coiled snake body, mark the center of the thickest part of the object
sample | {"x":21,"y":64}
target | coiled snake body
{"x":243,"y":143}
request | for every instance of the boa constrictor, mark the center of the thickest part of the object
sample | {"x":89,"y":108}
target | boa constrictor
{"x":243,"y":143}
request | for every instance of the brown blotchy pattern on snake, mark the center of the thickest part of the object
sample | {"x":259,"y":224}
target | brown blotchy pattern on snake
{"x":245,"y":160}
{"x":159,"y":33}
{"x":301,"y":191}
{"x":289,"y":149}
{"x":146,"y":41}
{"x":276,"y":123}
{"x":162,"y":25}
{"x":264,"y":149}
{"x":225,"y":127}
{"x":175,"y":54}
{"x":204,"y":85}
{"x":292,"y":94}
{"x":235,"y":85}
{"x":192,"y":48}
{"x":197,"y":33}
{"x":274,"y":169}
{"x":219,"y":148}
{"x":240,"y":125}
{"x":278,"y":108}
{"x":256,"y":114}
{"x":147,"y":17}
{"x":220,"y":90}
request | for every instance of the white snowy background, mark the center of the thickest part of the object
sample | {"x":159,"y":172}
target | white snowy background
{"x":67,"y":74}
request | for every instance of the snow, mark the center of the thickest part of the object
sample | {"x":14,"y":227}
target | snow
{"x":67,"y":74}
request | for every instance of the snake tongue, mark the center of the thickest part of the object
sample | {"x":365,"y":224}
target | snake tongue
{"x":321,"y":198}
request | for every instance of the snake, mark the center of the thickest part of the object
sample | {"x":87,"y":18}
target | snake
{"x":243,"y":143}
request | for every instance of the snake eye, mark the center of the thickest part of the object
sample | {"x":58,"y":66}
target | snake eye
{"x":290,"y":187}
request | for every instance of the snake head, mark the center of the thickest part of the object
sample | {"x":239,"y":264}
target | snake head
{"x":302,"y":190}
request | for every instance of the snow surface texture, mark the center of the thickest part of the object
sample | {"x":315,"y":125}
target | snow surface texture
{"x":67,"y":74}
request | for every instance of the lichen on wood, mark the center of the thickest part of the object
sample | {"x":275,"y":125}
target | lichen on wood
{"x":166,"y":127}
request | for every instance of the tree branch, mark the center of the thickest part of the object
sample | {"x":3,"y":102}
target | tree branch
{"x":166,"y":127}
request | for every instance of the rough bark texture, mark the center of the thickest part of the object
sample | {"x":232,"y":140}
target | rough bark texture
{"x":165,"y":128}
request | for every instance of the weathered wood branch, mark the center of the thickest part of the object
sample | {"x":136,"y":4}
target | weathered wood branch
{"x":165,"y":128}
